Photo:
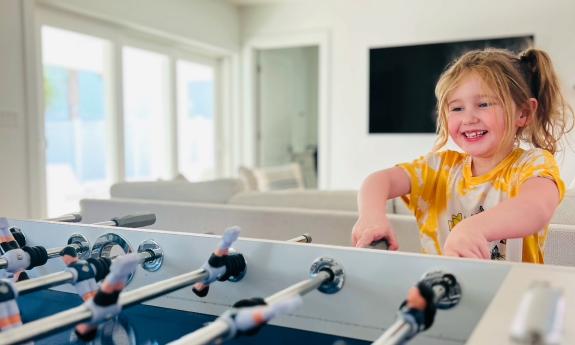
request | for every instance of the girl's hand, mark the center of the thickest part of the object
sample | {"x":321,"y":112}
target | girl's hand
{"x":466,"y":242}
{"x":365,"y":233}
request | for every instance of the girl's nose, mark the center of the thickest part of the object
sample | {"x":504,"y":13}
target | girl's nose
{"x":469,"y":118}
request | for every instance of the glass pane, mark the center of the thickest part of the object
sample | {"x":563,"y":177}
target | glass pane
{"x":75,"y":119}
{"x":196,"y":128}
{"x":145,"y":114}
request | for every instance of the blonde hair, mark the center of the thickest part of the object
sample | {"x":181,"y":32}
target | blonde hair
{"x":514,"y":79}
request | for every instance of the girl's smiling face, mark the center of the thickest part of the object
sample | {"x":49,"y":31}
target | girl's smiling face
{"x":476,"y":121}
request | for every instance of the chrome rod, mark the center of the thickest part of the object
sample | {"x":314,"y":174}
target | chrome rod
{"x":56,"y":252}
{"x":219,"y":329}
{"x":146,"y":256}
{"x":61,"y":320}
{"x":300,"y":288}
{"x":106,"y":223}
{"x":205,"y":335}
{"x":395,"y":335}
{"x":45,"y":326}
{"x":303,"y":238}
{"x":58,"y":278}
{"x":161,"y":288}
{"x":67,"y":218}
{"x":44,"y":282}
{"x":143,"y":256}
{"x":401,"y":329}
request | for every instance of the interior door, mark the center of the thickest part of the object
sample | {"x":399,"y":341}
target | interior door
{"x":288,"y":108}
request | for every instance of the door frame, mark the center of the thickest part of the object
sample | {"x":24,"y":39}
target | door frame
{"x":247,"y":131}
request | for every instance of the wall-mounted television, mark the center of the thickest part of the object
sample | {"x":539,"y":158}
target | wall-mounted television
{"x":402,"y":81}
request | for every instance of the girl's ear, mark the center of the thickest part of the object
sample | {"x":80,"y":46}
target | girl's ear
{"x":527,"y":113}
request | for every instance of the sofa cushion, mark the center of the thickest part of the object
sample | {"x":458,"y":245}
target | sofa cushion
{"x":306,"y":199}
{"x":213,"y":191}
{"x":247,"y":176}
{"x":279,"y":177}
{"x":559,"y":245}
{"x":399,"y":207}
{"x":343,"y":200}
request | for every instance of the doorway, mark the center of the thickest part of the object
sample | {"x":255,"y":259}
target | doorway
{"x":287,"y":94}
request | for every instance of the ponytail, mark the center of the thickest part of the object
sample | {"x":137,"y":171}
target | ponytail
{"x":553,"y":117}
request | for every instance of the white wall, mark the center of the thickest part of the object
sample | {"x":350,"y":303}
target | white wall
{"x":214,"y":22}
{"x":13,"y":169}
{"x":357,"y":25}
{"x":211,"y":22}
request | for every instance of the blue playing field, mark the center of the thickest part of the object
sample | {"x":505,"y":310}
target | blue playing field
{"x":148,"y":325}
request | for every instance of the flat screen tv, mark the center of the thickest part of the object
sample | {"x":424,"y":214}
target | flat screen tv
{"x":402,"y":81}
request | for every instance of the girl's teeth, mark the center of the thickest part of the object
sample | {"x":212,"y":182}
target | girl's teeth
{"x":475,"y":134}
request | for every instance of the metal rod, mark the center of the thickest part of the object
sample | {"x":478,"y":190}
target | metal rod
{"x":146,"y":256}
{"x":219,"y":328}
{"x":143,"y":256}
{"x":67,"y":218}
{"x":161,"y":288}
{"x":205,"y":335}
{"x":52,"y":253}
{"x":59,"y":278}
{"x":45,"y":326}
{"x":303,"y":238}
{"x":300,"y":288}
{"x":400,"y":330}
{"x":55,"y":252}
{"x":58,"y":321}
{"x":395,"y":334}
{"x":106,"y":223}
{"x":44,"y":282}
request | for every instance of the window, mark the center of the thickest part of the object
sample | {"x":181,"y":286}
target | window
{"x":75,"y":118}
{"x":196,"y":125}
{"x":114,"y":111}
{"x":146,"y":114}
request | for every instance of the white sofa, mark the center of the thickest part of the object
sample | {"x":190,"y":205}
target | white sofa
{"x":230,"y":191}
{"x":328,"y":216}
{"x":324,"y":226}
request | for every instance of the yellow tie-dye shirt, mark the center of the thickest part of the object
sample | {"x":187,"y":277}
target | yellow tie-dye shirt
{"x":444,"y":192}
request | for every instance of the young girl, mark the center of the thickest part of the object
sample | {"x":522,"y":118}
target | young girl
{"x":470,"y":204}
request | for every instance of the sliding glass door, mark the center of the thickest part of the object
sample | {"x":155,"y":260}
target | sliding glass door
{"x":75,"y":118}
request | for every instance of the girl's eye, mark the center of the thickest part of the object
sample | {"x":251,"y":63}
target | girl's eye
{"x":456,"y":109}
{"x":485,"y":104}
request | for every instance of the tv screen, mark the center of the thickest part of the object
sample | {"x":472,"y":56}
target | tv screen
{"x":402,"y":81}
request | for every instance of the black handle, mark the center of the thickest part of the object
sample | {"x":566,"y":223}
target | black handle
{"x":380,"y":244}
{"x":135,"y":220}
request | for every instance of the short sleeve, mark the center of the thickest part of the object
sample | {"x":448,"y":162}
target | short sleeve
{"x":541,"y":163}
{"x":419,"y":172}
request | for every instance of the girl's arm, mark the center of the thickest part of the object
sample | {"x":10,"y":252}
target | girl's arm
{"x":530,"y":211}
{"x":376,"y":189}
